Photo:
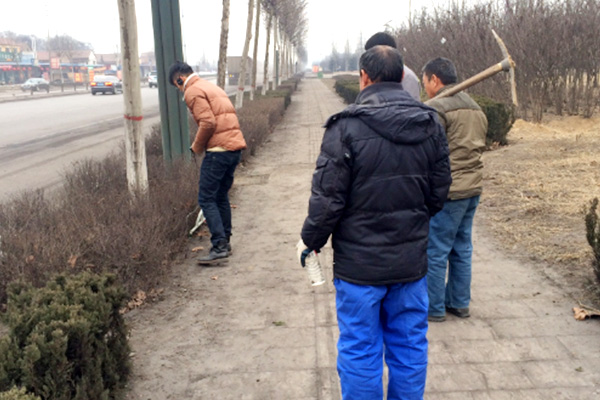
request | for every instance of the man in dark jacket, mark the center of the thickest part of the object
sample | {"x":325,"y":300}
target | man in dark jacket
{"x":383,"y":171}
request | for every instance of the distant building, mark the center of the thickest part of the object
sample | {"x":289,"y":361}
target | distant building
{"x":147,"y":63}
{"x":16,"y":66}
{"x":74,"y":66}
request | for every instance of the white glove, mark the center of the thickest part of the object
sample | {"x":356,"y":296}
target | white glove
{"x":301,"y":248}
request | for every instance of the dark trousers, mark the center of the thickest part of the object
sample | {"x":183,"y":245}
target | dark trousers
{"x":216,"y":178}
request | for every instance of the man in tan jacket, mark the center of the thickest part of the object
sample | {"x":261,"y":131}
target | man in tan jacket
{"x":449,"y":245}
{"x":220,"y":139}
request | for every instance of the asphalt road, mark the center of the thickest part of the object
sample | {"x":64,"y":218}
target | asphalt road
{"x":41,"y":138}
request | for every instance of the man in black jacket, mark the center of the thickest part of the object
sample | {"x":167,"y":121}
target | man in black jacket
{"x":383,"y":171}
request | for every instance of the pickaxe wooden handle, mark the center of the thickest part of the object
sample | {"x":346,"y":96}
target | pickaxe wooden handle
{"x":507,"y":65}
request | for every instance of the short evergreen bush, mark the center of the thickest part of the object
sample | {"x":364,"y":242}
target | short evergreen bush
{"x":67,"y":340}
{"x":17,"y":394}
{"x":282,"y":91}
{"x":347,"y":86}
{"x":592,"y":229}
{"x":500,"y":118}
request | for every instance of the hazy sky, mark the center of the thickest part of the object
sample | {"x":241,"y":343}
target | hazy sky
{"x":329,"y":22}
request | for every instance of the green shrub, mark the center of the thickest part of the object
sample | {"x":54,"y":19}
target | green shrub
{"x":17,"y":394}
{"x":347,"y":86}
{"x":500,"y":118}
{"x":593,"y":234}
{"x":67,"y":340}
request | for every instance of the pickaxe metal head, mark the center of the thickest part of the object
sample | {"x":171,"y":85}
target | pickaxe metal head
{"x":507,"y":64}
{"x":510,"y":68}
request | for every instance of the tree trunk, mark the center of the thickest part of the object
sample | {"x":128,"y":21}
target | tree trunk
{"x":275,"y":57}
{"x":266,"y":67}
{"x":255,"y":53}
{"x":239,"y":99}
{"x":137,"y":172}
{"x":284,"y":61}
{"x":222,"y":66}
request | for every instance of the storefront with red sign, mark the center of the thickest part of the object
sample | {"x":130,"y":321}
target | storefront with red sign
{"x":13,"y":73}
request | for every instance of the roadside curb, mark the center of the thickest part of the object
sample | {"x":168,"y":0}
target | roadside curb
{"x":60,"y":94}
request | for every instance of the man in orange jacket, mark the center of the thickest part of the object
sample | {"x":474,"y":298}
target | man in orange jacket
{"x":220,"y":138}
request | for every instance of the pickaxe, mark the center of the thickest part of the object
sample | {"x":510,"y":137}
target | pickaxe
{"x":507,"y":65}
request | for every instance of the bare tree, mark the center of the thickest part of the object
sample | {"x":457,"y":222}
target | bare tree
{"x":222,"y":65}
{"x":137,"y":171}
{"x":293,"y":26}
{"x":239,"y":99}
{"x":266,"y":66}
{"x":255,"y":53}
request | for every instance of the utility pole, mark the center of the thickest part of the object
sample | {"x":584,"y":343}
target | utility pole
{"x":168,"y":49}
{"x":135,"y":147}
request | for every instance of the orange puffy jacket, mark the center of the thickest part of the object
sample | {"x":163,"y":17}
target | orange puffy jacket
{"x":218,"y":125}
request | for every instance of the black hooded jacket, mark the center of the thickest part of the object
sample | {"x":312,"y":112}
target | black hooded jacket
{"x":383,"y":171}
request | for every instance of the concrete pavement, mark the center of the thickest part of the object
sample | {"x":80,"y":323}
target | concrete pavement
{"x":255,"y":329}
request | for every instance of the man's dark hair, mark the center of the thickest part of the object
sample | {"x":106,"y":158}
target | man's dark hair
{"x":381,"y":39}
{"x":179,"y":68}
{"x":382,"y":64}
{"x":443,"y":68}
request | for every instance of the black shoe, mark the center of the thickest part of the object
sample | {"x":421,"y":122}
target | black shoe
{"x":459,"y":312}
{"x":434,"y":318}
{"x":216,"y":253}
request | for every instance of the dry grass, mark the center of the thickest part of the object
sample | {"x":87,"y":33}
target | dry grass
{"x":535,"y":191}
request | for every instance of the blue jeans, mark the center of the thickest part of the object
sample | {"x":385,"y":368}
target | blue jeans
{"x":216,"y":178}
{"x":371,"y":318}
{"x":450,"y":246}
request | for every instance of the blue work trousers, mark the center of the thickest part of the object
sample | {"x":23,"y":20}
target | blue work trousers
{"x":450,"y":248}
{"x":216,"y":178}
{"x":374,"y":318}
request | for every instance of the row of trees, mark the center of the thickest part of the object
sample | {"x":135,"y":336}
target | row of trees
{"x":285,"y":22}
{"x":346,"y":61}
{"x":555,"y":44}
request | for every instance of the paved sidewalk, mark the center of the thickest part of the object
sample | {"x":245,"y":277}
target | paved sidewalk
{"x":255,"y":329}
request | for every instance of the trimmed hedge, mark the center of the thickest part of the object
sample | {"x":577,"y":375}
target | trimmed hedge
{"x":499,"y":115}
{"x":348,"y":87}
{"x":500,"y":118}
{"x":17,"y":394}
{"x":67,"y":340}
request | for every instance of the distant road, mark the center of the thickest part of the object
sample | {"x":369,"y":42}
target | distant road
{"x":40,"y":138}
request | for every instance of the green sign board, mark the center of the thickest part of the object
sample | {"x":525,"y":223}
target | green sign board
{"x":8,"y":55}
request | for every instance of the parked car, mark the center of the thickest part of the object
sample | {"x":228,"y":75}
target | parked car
{"x":106,"y":84}
{"x":153,"y":80}
{"x":35,"y":84}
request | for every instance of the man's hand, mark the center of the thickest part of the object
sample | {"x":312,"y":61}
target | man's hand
{"x":302,"y":252}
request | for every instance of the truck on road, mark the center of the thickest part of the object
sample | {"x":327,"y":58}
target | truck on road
{"x":234,"y":64}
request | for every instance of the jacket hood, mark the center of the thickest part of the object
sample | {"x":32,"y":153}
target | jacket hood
{"x":392,"y":113}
